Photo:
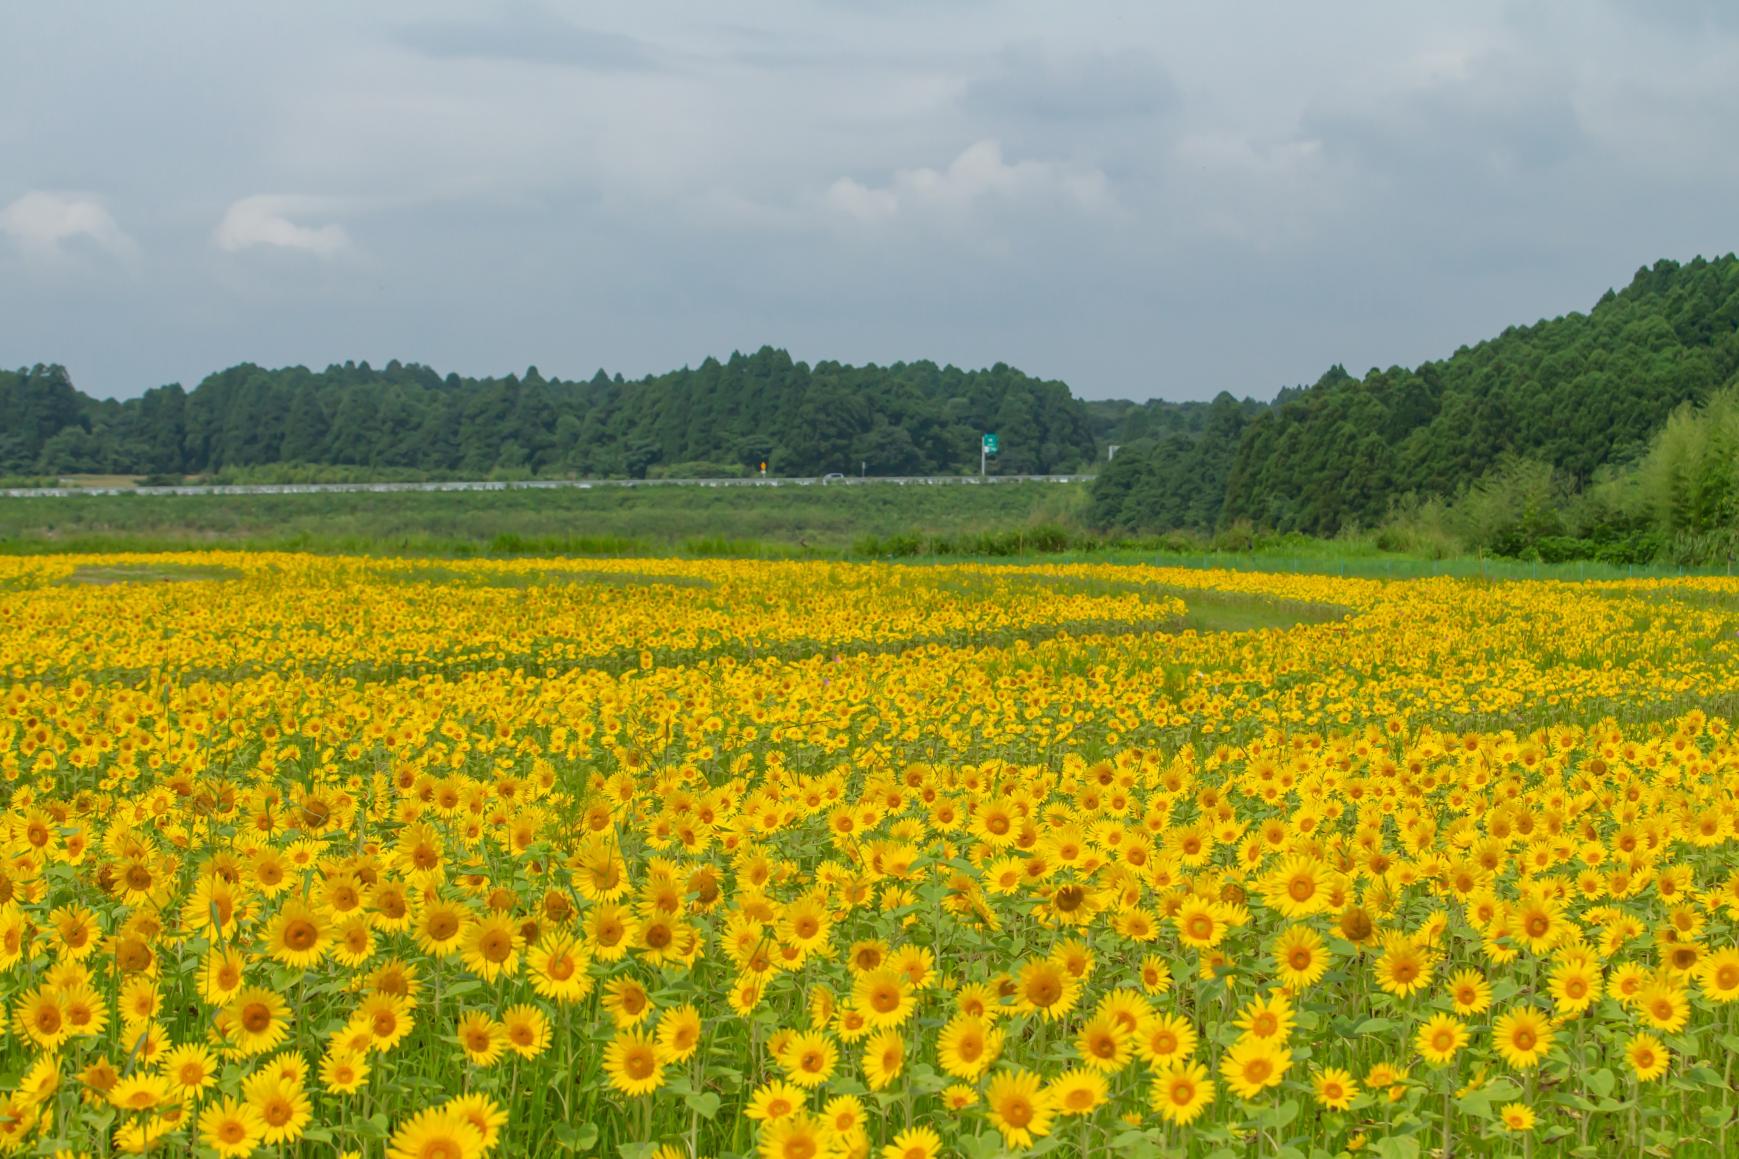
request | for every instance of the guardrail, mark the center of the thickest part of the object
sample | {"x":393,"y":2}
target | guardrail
{"x":538,"y":485}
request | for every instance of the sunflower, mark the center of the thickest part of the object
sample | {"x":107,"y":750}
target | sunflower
{"x":1105,"y":1043}
{"x":1072,"y":904}
{"x":231,"y":1127}
{"x":527,"y":1029}
{"x":805,"y":923}
{"x":627,"y":1002}
{"x":967,"y":1045}
{"x":1440,"y":1038}
{"x":87,"y":1011}
{"x":1254,"y":1064}
{"x":845,"y":1116}
{"x":41,"y":1016}
{"x":914,"y":1143}
{"x":1155,"y":974}
{"x":221,"y":975}
{"x":1718,"y":975}
{"x":978,"y":999}
{"x":1647,"y":1055}
{"x":1538,"y":923}
{"x":1200,"y":923}
{"x":1516,"y":1117}
{"x":435,"y":1133}
{"x":482,"y":1039}
{"x":679,"y":1031}
{"x":1664,"y":1006}
{"x":1298,"y":887}
{"x":297,"y":935}
{"x":141,"y":1092}
{"x":1018,"y":1105}
{"x":1469,"y":992}
{"x":282,"y":1104}
{"x":1300,"y":957}
{"x":1181,"y":1091}
{"x":440,"y":927}
{"x":387,"y":1018}
{"x":884,"y":1055}
{"x":798,"y":1136}
{"x":343,"y":1072}
{"x":353,"y":941}
{"x":139,"y":1000}
{"x":1267,"y":1018}
{"x":76,"y":930}
{"x":483,"y":1113}
{"x":1575,"y":986}
{"x":1335,"y":1088}
{"x":884,"y":997}
{"x":1628,"y":981}
{"x":192,"y":1068}
{"x":1522,"y":1037}
{"x":490,"y":947}
{"x":255,"y":1021}
{"x":631,"y":1062}
{"x":558,"y":966}
{"x":996,"y":824}
{"x":1047,"y":987}
{"x":774,"y":1100}
{"x":808,"y":1058}
{"x":1077,"y":1091}
{"x":1166,"y":1038}
{"x":1403,"y":968}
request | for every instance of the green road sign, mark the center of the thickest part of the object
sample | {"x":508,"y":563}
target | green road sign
{"x":990,"y":445}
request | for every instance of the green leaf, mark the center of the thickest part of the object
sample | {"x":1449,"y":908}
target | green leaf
{"x":703,"y":1103}
{"x":1275,"y":1118}
{"x":1398,"y":1147}
{"x":1601,"y":1082}
{"x":1375,"y":1026}
{"x":980,"y":1146}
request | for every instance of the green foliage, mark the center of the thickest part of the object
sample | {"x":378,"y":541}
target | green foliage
{"x":719,"y":420}
{"x":1572,"y":394}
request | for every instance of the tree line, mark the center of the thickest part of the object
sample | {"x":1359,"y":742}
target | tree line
{"x":1552,"y":439}
{"x":720,"y":418}
{"x":1551,"y":423}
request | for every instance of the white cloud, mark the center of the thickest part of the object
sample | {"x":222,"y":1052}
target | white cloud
{"x":978,"y":174}
{"x":265,"y":220}
{"x":41,"y":222}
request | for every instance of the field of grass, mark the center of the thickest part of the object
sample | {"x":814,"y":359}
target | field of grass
{"x":1027,"y":520}
{"x":665,"y":858}
{"x":599,"y":520}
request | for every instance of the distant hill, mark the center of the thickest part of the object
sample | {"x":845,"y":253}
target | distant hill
{"x":1575,"y":393}
{"x":719,"y":418}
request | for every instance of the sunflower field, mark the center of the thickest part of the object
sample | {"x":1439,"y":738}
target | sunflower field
{"x":665,"y":859}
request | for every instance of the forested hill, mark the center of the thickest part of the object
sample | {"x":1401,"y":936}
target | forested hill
{"x":718,"y":418}
{"x":1574,"y":393}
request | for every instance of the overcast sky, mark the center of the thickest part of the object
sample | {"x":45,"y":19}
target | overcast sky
{"x":1140,"y":199}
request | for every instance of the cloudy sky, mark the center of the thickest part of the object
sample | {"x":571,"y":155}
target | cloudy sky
{"x":1143,"y":200}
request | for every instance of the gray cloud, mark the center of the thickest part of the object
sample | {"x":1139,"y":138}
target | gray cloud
{"x":1500,"y":112}
{"x":1030,"y":81}
{"x":1139,"y":199}
{"x":528,"y":33}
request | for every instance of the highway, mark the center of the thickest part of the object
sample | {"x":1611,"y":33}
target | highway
{"x":541,"y":485}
